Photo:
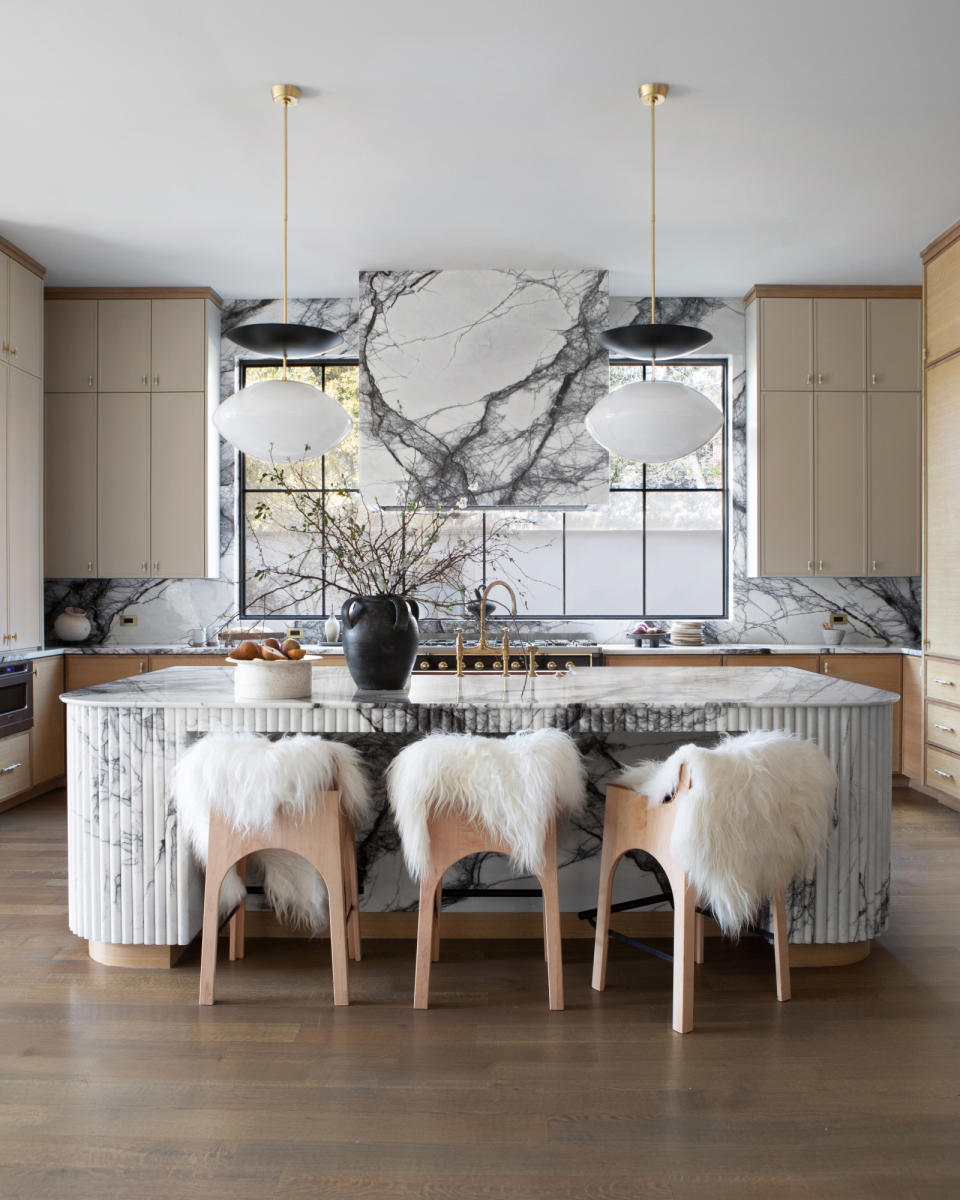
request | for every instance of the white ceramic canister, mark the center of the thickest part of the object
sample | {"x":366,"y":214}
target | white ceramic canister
{"x":72,"y":625}
{"x":331,"y":629}
{"x":278,"y":679}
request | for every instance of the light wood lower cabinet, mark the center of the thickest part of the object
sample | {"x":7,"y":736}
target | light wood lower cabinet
{"x":87,"y":670}
{"x":647,"y":660}
{"x":803,"y":662}
{"x":14,"y":765}
{"x":158,"y":662}
{"x":47,"y":744}
{"x":874,"y":670}
{"x":911,"y":758}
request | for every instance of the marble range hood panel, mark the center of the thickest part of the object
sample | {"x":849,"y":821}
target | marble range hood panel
{"x":477,"y":382}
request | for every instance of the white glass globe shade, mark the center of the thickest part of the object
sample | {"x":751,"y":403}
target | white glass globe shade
{"x":282,"y":420}
{"x":653,"y":420}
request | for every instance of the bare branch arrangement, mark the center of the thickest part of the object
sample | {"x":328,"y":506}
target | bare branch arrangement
{"x":306,"y":542}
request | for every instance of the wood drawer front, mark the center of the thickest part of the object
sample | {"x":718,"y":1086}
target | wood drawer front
{"x":15,"y":774}
{"x":943,"y":727}
{"x":804,"y":662}
{"x":948,"y":766}
{"x":87,"y":670}
{"x":943,"y":680}
{"x":159,"y":662}
{"x":662,"y":660}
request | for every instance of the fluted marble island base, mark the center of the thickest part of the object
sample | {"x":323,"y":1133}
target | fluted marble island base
{"x":133,"y":882}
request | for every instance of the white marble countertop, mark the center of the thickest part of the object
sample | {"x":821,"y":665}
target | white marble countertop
{"x":593,"y":687}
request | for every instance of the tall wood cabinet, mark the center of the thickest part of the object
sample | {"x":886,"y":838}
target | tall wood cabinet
{"x":21,"y":462}
{"x":132,"y":472}
{"x":833,"y":431}
{"x":941,"y":532}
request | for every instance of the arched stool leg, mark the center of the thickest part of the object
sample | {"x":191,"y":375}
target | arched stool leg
{"x":435,"y":938}
{"x":684,"y":939}
{"x":698,"y":940}
{"x":610,"y":854}
{"x":238,"y":922}
{"x":349,"y":848}
{"x":426,"y":920}
{"x":549,"y":882}
{"x":781,"y":947}
{"x":217,"y":867}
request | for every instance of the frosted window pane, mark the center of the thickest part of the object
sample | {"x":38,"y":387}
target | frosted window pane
{"x":685,"y":554}
{"x":531,"y":559}
{"x":604,"y":572}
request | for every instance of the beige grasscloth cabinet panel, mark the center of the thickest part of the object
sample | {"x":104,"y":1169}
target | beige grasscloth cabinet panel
{"x":21,"y":419}
{"x":832,"y":444}
{"x":149,"y":470}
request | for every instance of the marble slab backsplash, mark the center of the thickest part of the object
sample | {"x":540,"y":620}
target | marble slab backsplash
{"x":762,"y":610}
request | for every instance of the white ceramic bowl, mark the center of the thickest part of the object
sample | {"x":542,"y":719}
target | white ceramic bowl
{"x":275,"y":680}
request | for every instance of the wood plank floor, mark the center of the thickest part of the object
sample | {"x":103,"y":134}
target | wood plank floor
{"x":113,"y":1083}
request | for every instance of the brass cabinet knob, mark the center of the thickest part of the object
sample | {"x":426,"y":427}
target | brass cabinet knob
{"x":156,"y":380}
{"x":819,"y":377}
{"x":873,"y":378}
{"x":144,"y":566}
{"x":156,"y":566}
{"x":89,"y":381}
{"x":142,"y":667}
{"x":89,"y":566}
{"x":13,"y":351}
{"x":809,"y":379}
{"x":143,"y":379}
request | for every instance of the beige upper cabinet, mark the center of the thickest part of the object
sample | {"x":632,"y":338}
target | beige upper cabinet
{"x":124,"y":345}
{"x":123,"y":497}
{"x":839,"y":504}
{"x":941,"y":584}
{"x":942,"y":301}
{"x":894,"y":345}
{"x":24,"y":522}
{"x":177,"y":527}
{"x":71,"y":346}
{"x":893,"y":518}
{"x":839,"y":338}
{"x":70,"y":485}
{"x":5,"y":265}
{"x":786,"y":344}
{"x":25,"y":319}
{"x":177,"y":345}
{"x":786,"y":483}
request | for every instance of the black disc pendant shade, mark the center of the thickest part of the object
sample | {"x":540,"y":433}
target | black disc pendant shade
{"x":281,"y":340}
{"x":660,"y":342}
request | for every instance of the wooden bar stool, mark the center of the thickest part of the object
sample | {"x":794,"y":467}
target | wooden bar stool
{"x":454,"y":795}
{"x":733,"y":826}
{"x":291,"y":805}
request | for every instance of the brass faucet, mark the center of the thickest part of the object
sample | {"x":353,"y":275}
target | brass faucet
{"x":460,"y":653}
{"x":482,"y":644}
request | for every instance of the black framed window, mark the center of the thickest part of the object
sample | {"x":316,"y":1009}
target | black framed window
{"x":658,"y":549}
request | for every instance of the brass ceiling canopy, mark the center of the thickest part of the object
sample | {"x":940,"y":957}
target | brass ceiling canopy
{"x":282,"y":339}
{"x":653,"y":342}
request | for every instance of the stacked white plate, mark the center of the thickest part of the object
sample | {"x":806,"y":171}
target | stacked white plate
{"x":686,"y":633}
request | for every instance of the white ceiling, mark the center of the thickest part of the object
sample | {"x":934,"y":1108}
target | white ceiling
{"x":813,"y":141}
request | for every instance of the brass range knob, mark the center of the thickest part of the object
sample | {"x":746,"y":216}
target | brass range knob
{"x":424,"y":664}
{"x":514,"y":666}
{"x":479,"y":665}
{"x":569,"y":664}
{"x":443,"y":665}
{"x":498,"y":664}
{"x":551,"y":665}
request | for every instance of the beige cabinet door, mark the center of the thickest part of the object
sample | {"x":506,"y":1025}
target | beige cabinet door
{"x":70,"y":343}
{"x":47,"y":738}
{"x":840,"y":344}
{"x":124,"y":345}
{"x":941,"y":279}
{"x":786,"y":344}
{"x":894,"y":345}
{"x":5,"y":265}
{"x":25,"y":320}
{"x":24,"y":467}
{"x":123,"y":501}
{"x":786,"y":483}
{"x":893,"y":473}
{"x":70,"y":485}
{"x":178,"y":345}
{"x":941,"y":583}
{"x":911,"y":750}
{"x":177,"y":453}
{"x":840,"y":492}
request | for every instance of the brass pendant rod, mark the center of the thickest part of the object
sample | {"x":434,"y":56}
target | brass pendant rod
{"x":285,"y":104}
{"x":653,"y":215}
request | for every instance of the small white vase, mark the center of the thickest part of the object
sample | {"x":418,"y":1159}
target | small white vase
{"x":72,"y":625}
{"x":331,"y":629}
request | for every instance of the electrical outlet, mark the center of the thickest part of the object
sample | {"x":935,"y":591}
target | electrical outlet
{"x":125,"y":620}
{"x":836,"y":619}
{"x":294,"y":632}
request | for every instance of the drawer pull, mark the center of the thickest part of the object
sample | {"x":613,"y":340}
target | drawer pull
{"x":936,"y":771}
{"x":945,"y":682}
{"x":12,"y":767}
{"x":945,"y":728}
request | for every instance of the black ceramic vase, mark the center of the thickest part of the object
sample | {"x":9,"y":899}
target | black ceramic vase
{"x":380,"y":638}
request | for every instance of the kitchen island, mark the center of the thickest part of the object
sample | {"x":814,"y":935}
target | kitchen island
{"x":133,"y":882}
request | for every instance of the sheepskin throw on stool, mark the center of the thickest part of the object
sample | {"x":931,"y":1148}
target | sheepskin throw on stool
{"x":758,"y":813}
{"x":248,"y":778}
{"x":512,"y":787}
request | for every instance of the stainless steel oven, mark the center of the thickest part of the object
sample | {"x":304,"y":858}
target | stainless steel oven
{"x":16,"y":696}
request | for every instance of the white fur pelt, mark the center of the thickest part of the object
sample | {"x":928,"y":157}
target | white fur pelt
{"x":248,"y":779}
{"x":512,"y":787}
{"x":757,"y":814}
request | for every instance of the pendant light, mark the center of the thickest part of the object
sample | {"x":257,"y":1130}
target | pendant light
{"x":283,"y":420}
{"x":653,"y":420}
